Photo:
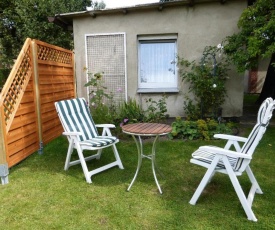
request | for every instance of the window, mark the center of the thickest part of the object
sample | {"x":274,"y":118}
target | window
{"x":107,"y":53}
{"x":157,"y":70}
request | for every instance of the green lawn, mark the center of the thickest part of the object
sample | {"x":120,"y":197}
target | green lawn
{"x":41,"y":195}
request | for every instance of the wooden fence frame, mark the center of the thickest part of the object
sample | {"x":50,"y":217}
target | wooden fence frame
{"x":41,"y":75}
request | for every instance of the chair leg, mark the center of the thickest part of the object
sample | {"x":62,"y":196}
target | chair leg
{"x":119,"y":163}
{"x":83,"y":163}
{"x":255,"y":188}
{"x":238,"y":189}
{"x":208,"y":175}
{"x":4,"y":180}
{"x":98,"y":154}
{"x":253,"y":180}
{"x":69,"y":154}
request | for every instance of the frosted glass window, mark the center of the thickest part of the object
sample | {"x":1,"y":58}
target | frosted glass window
{"x":157,"y":64}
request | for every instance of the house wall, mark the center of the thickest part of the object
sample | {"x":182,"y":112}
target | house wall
{"x":262,"y":69}
{"x":254,"y":79}
{"x":197,"y":26}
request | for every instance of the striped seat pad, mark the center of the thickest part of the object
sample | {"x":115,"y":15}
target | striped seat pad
{"x":99,"y":141}
{"x":208,"y":157}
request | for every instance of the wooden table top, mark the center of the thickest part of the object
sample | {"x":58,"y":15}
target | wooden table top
{"x":147,"y":129}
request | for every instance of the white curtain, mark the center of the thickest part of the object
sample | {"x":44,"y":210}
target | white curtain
{"x":157,"y":66}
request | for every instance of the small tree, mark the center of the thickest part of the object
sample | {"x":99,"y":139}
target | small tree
{"x":20,"y":19}
{"x":254,"y":41}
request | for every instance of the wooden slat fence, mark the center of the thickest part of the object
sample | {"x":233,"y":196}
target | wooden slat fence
{"x":41,"y":75}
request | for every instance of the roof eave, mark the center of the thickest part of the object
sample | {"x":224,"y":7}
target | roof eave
{"x":65,"y":20}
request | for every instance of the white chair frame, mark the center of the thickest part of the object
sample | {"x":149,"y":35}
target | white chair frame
{"x":75,"y":142}
{"x":233,"y":163}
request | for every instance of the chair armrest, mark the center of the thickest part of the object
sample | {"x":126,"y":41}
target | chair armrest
{"x":221,"y":151}
{"x":105,"y":126}
{"x":106,"y":129}
{"x":72,"y":133}
{"x":230,"y":137}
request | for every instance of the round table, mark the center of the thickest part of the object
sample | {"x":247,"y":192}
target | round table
{"x":138,"y":130}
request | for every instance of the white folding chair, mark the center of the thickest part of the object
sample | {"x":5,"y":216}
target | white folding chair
{"x":234,"y":162}
{"x":82,"y":135}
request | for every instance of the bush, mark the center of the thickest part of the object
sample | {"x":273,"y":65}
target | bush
{"x":105,"y":110}
{"x":129,"y":112}
{"x":207,"y":83}
{"x":200,"y":129}
{"x":156,"y":110}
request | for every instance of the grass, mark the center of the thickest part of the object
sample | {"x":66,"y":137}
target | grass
{"x":41,"y":195}
{"x":250,"y":99}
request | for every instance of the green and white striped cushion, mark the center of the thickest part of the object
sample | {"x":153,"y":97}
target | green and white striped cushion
{"x":75,"y":117}
{"x":208,"y":157}
{"x":252,"y":141}
{"x":99,"y":141}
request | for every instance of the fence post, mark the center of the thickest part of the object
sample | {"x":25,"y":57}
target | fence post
{"x":4,"y":169}
{"x":37,"y":95}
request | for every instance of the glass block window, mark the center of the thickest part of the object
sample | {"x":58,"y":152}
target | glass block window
{"x":107,"y":53}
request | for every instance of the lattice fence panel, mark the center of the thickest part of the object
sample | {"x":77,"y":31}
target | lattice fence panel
{"x":49,"y":53}
{"x":106,"y":53}
{"x":41,"y":75}
{"x":14,"y":89}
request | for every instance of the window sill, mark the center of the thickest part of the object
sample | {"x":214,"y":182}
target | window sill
{"x":158,"y":90}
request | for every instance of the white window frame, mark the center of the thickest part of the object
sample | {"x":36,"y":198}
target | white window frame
{"x":158,"y":86}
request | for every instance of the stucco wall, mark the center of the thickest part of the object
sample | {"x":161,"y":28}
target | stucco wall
{"x":198,"y":26}
{"x":262,"y":69}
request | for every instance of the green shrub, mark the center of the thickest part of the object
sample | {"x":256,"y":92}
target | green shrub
{"x":206,"y":80}
{"x":105,"y":110}
{"x":156,"y":110}
{"x":200,"y":129}
{"x":129,"y":112}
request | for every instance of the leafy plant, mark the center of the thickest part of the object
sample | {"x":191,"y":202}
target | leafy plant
{"x":255,"y":38}
{"x":207,"y":82}
{"x":99,"y":109}
{"x":192,"y":110}
{"x":156,"y":110}
{"x":130,"y":112}
{"x":97,"y":93}
{"x":30,"y":19}
{"x":200,"y":129}
{"x":105,"y":110}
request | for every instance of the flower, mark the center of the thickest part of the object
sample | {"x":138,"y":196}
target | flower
{"x":119,"y":90}
{"x":219,"y":46}
{"x":97,"y":76}
{"x":214,"y":85}
{"x":124,"y":122}
{"x":93,"y":104}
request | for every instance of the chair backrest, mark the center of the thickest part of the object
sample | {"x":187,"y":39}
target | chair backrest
{"x":263,"y":118}
{"x":75,"y":116}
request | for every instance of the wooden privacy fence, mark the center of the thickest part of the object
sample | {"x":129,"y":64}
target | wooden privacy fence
{"x":41,"y":75}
